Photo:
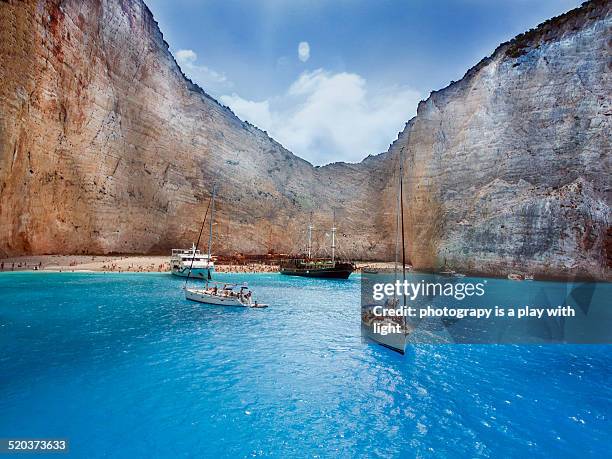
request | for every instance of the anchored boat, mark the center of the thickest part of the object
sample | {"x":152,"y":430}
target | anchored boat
{"x":327,"y":268}
{"x":324,"y":268}
{"x":388,"y":331}
{"x":185,"y":260}
{"x":391,"y":331}
{"x":227,"y":294}
{"x":224,"y":295}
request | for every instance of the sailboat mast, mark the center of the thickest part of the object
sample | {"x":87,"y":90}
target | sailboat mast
{"x":333,"y":246}
{"x":212,"y":213}
{"x":401,"y":198}
{"x":397,"y":232}
{"x":197,"y":244}
{"x":310,"y":237}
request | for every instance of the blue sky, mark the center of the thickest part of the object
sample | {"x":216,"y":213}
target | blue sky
{"x":335,"y":80}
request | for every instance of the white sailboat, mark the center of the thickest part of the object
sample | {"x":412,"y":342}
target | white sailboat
{"x":376,"y":326}
{"x":224,"y":295}
{"x":217,"y":293}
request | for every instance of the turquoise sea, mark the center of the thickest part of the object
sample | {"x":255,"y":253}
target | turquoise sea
{"x":122,"y":365}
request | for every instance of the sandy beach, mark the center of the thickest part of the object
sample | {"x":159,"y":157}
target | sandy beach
{"x":128,"y":263}
{"x":111,"y":263}
{"x":86,"y":263}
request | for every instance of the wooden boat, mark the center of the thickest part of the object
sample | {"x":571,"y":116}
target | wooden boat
{"x":322,"y":268}
{"x":325,"y":268}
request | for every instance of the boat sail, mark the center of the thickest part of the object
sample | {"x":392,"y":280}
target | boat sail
{"x":373,"y":324}
{"x":216,"y":293}
{"x":329,"y":268}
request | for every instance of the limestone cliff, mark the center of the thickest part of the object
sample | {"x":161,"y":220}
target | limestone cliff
{"x":509,"y":168}
{"x":106,"y":147}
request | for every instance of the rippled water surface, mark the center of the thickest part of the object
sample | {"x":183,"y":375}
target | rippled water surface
{"x":122,"y":365}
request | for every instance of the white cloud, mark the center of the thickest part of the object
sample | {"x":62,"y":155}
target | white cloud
{"x":304,"y":51}
{"x":212,"y":82}
{"x":249,"y":110}
{"x":326,"y":117}
{"x":186,"y":56}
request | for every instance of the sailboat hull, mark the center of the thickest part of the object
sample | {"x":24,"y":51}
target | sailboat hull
{"x":329,"y":270}
{"x":198,"y":273}
{"x":394,"y":341}
{"x":202,"y":297}
{"x":320,"y":273}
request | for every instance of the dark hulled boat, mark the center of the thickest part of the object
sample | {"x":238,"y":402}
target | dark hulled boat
{"x":309,"y":266}
{"x":323,"y":268}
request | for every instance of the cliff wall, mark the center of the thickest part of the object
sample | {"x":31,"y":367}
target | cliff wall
{"x":509,"y":168}
{"x":105,"y":147}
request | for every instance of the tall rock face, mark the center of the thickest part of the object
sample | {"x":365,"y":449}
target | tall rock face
{"x":106,"y":147}
{"x":509,"y":168}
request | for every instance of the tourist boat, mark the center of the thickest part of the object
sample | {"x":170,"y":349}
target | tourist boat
{"x":371,"y":324}
{"x":200,"y":264}
{"x":224,"y":295}
{"x":314,"y":267}
{"x":213,"y":294}
{"x":193,"y":263}
{"x":326,"y":268}
{"x":516,"y":277}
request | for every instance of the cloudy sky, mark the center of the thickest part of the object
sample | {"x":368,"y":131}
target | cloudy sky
{"x":336,"y":80}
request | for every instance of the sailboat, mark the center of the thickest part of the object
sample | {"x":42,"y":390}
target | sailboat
{"x":373,"y":325}
{"x":221,"y":294}
{"x":329,"y":268}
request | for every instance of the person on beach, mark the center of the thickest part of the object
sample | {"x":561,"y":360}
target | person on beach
{"x":2,"y":266}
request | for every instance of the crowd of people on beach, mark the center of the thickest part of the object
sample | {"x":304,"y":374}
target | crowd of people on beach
{"x":115,"y":265}
{"x":165,"y":267}
{"x":19,"y":266}
{"x":137,"y":268}
{"x":246,"y":268}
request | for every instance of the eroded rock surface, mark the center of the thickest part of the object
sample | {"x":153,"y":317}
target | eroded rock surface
{"x":509,"y":168}
{"x":106,"y":147}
